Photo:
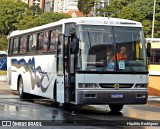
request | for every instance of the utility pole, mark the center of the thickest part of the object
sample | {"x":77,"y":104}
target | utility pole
{"x":154,"y":8}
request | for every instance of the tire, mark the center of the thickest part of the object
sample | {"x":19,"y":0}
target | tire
{"x":63,"y":106}
{"x":22,"y":95}
{"x":55,"y":95}
{"x":116,"y":107}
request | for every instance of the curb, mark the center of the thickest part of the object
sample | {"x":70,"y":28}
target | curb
{"x":3,"y":78}
{"x":154,"y":98}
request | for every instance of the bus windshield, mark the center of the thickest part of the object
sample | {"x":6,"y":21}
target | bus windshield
{"x":99,"y":46}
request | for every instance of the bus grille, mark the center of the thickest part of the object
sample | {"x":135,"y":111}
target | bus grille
{"x":111,"y":85}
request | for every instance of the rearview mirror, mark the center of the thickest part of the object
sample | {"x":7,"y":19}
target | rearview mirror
{"x":148,"y":49}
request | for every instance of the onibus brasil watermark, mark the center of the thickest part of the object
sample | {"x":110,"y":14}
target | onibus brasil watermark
{"x":21,"y":123}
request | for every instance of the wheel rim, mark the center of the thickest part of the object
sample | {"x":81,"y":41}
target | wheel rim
{"x":62,"y":105}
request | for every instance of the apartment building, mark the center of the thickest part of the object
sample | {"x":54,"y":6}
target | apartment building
{"x":59,"y":5}
{"x":25,"y":1}
{"x":65,"y":5}
{"x":40,"y":3}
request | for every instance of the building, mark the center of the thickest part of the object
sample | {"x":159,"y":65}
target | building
{"x":25,"y":1}
{"x":49,"y":5}
{"x":36,"y":2}
{"x":59,"y":5}
{"x":54,"y":5}
{"x":75,"y":13}
{"x":65,"y":5}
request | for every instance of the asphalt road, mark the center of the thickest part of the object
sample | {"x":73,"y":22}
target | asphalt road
{"x":88,"y":117}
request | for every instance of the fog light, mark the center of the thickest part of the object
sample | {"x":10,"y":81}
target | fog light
{"x":88,"y":85}
{"x":141,"y":86}
{"x":90,"y":96}
{"x":141,"y":95}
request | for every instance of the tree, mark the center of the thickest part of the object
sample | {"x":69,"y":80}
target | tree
{"x":11,"y":11}
{"x":138,"y":10}
{"x":29,"y":17}
{"x":85,"y":6}
{"x":34,"y":10}
{"x":105,"y":11}
{"x":3,"y":43}
{"x":44,"y":18}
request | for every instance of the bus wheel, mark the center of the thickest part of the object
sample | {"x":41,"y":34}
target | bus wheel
{"x":115,"y":107}
{"x":56,"y":104}
{"x":20,"y":88}
{"x":63,"y":106}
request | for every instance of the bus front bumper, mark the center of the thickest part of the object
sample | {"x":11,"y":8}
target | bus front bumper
{"x":111,"y":97}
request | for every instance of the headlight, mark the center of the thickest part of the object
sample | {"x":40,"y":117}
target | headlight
{"x":88,"y":85}
{"x":141,"y":86}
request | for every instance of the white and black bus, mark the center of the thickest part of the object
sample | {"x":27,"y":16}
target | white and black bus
{"x":68,"y":61}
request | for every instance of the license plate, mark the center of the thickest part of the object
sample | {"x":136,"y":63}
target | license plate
{"x":116,"y":95}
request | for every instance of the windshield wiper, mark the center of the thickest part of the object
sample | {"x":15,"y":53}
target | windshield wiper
{"x":105,"y":64}
{"x":131,"y":68}
{"x":109,"y":61}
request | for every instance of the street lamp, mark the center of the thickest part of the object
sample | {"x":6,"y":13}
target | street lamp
{"x":153,"y":18}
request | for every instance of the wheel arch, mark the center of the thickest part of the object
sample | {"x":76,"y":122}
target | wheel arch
{"x":55,"y":90}
{"x":19,"y":76}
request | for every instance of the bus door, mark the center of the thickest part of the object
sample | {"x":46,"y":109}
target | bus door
{"x":60,"y":70}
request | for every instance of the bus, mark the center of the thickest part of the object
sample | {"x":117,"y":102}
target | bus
{"x":67,"y":61}
{"x":154,"y":66}
{"x":3,"y":60}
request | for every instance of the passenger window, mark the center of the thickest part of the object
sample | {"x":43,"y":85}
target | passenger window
{"x":33,"y":49}
{"x":53,"y":40}
{"x":23,"y":46}
{"x":15,"y":46}
{"x":30,"y":43}
{"x":45,"y":45}
{"x":10,"y":46}
{"x":40,"y":41}
{"x":22,"y":42}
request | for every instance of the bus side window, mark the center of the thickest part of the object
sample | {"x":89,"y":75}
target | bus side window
{"x":10,"y":46}
{"x":33,"y":48}
{"x":53,"y":40}
{"x":15,"y":46}
{"x":30,"y":43}
{"x":23,"y":45}
{"x":45,"y":45}
{"x":40,"y":41}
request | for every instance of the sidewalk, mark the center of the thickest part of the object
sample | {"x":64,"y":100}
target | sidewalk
{"x":3,"y":78}
{"x":3,"y":83}
{"x":154,"y":98}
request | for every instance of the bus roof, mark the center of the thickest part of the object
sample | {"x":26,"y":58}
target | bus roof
{"x":153,"y":39}
{"x":82,"y":20}
{"x":3,"y":52}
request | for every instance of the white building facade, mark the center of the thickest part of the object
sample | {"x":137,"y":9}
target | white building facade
{"x":65,"y":5}
{"x":59,"y":5}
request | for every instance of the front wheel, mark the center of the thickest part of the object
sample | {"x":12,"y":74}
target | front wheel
{"x":63,"y":106}
{"x":22,"y":95}
{"x":116,"y":107}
